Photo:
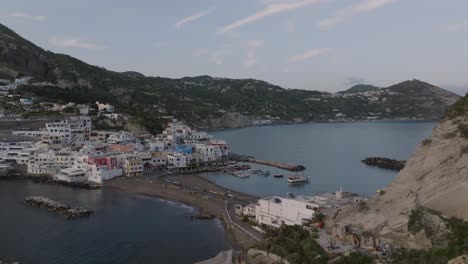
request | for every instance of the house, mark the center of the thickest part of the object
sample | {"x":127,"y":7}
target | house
{"x":16,"y":152}
{"x":83,"y":109}
{"x":71,"y":175}
{"x":72,"y":129}
{"x":176,"y":160}
{"x":105,"y":107}
{"x":26,"y":101}
{"x":275,"y":211}
{"x":101,"y":168}
{"x":121,"y":137}
{"x":123,"y":148}
{"x":132,"y":165}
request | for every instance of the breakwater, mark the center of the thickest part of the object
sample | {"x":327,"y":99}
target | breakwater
{"x":384,"y":163}
{"x":277,"y":164}
{"x":57,"y":207}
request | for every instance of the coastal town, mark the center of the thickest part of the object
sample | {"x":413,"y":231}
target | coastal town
{"x":70,"y":152}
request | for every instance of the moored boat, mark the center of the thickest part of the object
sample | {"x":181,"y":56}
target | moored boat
{"x":278,"y":175}
{"x":297,"y":179}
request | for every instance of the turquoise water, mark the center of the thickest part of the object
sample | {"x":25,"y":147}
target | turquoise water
{"x":331,"y":153}
{"x":124,"y":229}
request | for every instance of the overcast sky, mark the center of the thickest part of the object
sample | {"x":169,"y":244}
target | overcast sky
{"x":306,"y":44}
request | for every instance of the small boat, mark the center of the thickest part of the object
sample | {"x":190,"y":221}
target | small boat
{"x":297,"y":179}
{"x":278,"y":175}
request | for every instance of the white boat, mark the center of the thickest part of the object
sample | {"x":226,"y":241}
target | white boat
{"x":297,"y":179}
{"x":278,"y":175}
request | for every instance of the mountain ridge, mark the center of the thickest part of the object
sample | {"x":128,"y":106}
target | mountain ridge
{"x":205,"y":101}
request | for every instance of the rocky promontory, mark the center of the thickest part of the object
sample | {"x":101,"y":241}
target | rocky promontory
{"x":385,"y":163}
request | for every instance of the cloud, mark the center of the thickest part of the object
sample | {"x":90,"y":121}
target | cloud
{"x":24,"y":16}
{"x":456,"y":26}
{"x":271,"y":9}
{"x":309,"y":54}
{"x":252,"y":47}
{"x":348,"y":12}
{"x":351,"y":81}
{"x":192,"y":18}
{"x":73,"y":43}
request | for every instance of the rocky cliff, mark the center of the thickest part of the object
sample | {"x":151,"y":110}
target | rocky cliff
{"x":435,"y":177}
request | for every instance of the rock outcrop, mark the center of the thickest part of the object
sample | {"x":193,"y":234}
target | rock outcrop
{"x":435,"y":177}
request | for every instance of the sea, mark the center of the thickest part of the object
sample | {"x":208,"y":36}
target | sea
{"x":137,"y":229}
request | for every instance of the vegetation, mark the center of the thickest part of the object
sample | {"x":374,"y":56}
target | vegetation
{"x":197,"y":100}
{"x":426,"y":142}
{"x":294,"y":244}
{"x":363,"y":207}
{"x":355,"y":258}
{"x":457,"y":242}
{"x":415,"y":222}
{"x":459,"y":109}
{"x":463,"y":128}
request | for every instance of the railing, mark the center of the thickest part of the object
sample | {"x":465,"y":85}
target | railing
{"x":238,"y":226}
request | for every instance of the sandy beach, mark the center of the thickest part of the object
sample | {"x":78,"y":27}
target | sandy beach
{"x":192,"y":190}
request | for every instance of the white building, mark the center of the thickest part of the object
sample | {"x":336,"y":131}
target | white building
{"x":121,"y":137}
{"x":71,"y":130}
{"x":154,"y":145}
{"x":105,"y":107}
{"x":275,"y":211}
{"x":205,"y":153}
{"x":18,"y":152}
{"x":176,"y":160}
{"x":71,"y":175}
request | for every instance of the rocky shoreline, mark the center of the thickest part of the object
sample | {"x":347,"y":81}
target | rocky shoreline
{"x":57,"y":207}
{"x":384,"y":163}
{"x":78,"y":185}
{"x":51,"y":181}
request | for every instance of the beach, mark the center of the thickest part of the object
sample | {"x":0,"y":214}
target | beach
{"x":193,"y":190}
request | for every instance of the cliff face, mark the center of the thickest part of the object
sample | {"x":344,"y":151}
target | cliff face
{"x":435,"y":177}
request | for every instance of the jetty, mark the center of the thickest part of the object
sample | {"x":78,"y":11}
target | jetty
{"x":277,"y":164}
{"x":57,"y":207}
{"x":385,"y":163}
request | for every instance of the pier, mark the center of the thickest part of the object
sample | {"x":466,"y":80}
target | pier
{"x":277,"y":164}
{"x":57,"y":207}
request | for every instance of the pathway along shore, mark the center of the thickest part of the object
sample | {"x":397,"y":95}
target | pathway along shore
{"x":192,"y":190}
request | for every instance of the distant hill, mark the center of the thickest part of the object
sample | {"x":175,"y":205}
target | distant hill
{"x":134,"y":74}
{"x":205,"y":101}
{"x":360,"y":88}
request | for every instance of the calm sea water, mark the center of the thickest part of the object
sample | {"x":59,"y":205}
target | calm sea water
{"x":331,"y":153}
{"x":124,"y":229}
{"x":137,"y":229}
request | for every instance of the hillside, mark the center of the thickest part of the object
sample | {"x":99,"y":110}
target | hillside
{"x":206,"y":101}
{"x":434,"y":181}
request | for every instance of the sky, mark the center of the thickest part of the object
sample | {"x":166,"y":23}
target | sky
{"x":326,"y":45}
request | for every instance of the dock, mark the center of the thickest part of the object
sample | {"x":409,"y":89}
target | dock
{"x":277,"y":164}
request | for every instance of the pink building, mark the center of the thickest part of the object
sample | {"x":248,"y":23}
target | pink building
{"x":124,"y":148}
{"x":110,"y":162}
